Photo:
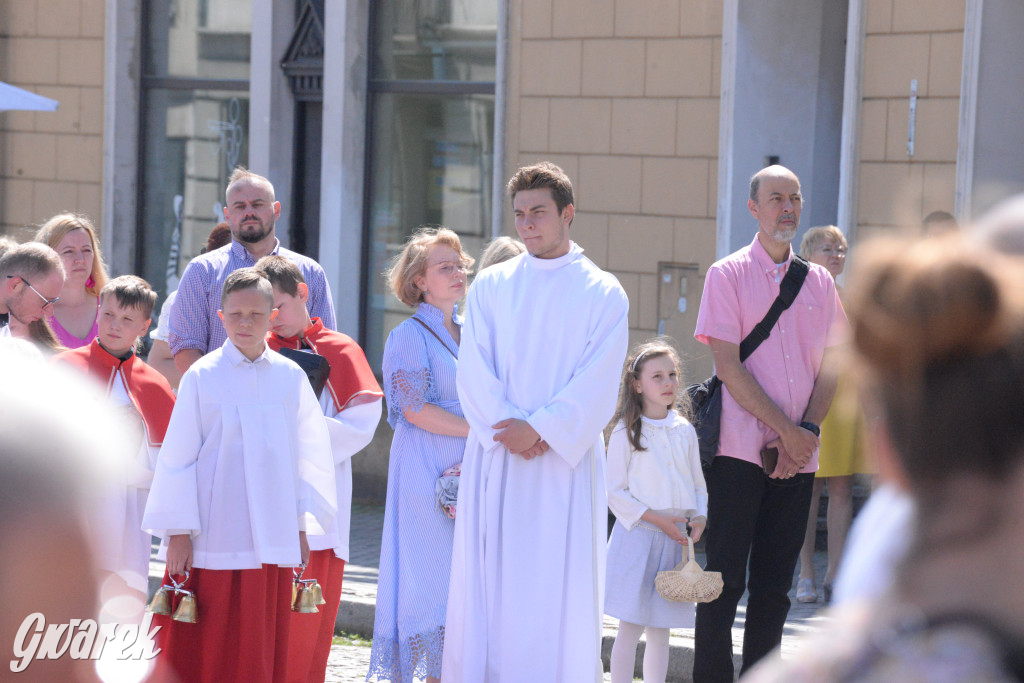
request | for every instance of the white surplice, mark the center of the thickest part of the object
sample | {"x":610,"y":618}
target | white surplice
{"x":351,"y":431}
{"x":246,"y":463}
{"x":544,"y":340}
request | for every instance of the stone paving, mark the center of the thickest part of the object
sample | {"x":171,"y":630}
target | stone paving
{"x":349,"y":663}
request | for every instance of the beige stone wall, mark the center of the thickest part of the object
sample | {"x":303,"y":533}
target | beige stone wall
{"x":907,"y":39}
{"x":51,"y":161}
{"x":623,"y":94}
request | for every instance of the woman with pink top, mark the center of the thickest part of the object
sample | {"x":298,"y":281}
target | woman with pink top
{"x":73,"y":237}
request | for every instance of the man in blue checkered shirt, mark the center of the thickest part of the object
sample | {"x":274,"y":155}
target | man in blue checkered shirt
{"x":251,"y":211}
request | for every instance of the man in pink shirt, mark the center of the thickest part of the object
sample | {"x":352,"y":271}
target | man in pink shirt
{"x":776,"y":398}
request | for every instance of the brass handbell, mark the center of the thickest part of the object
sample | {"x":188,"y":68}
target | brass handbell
{"x":161,"y":602}
{"x":304,"y":604}
{"x":318,"y":595}
{"x":187,"y":611}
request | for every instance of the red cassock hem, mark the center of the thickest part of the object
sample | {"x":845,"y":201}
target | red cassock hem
{"x":310,"y":635}
{"x":242,"y":630}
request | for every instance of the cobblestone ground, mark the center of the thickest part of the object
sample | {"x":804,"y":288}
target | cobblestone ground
{"x":348,"y":664}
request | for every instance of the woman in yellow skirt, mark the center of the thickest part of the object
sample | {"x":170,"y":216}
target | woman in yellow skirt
{"x":842,"y":453}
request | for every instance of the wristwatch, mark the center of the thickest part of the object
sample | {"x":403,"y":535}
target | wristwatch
{"x":811,"y":427}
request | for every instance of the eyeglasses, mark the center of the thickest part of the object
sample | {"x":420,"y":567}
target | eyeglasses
{"x":829,"y":250}
{"x":448,"y":269}
{"x":46,"y":302}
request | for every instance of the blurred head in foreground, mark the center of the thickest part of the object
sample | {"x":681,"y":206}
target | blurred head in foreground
{"x":58,"y":449}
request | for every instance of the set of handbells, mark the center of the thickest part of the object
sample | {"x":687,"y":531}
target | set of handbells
{"x":306,"y":593}
{"x":161,"y":602}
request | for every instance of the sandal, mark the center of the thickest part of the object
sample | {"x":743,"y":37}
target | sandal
{"x":805,"y":591}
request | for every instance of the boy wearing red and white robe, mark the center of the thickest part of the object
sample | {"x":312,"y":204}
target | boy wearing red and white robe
{"x":146,"y":401}
{"x":246,"y":470}
{"x":351,"y":402}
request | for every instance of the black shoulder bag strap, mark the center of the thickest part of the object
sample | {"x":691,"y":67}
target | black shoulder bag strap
{"x":788,"y":289}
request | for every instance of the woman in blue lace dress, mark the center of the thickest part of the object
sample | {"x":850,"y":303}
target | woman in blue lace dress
{"x":430,"y":437}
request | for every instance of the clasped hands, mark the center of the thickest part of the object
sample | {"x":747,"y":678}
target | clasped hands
{"x":796,"y":447}
{"x":520,"y":438}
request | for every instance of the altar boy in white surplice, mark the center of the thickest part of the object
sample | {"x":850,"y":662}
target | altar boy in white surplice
{"x":543,"y":343}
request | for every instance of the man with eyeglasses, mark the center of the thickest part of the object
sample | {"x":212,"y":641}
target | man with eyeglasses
{"x":31,"y":280}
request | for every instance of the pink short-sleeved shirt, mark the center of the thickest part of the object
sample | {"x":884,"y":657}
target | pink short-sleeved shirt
{"x":738,"y":292}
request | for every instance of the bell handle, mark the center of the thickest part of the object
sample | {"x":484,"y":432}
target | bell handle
{"x":178,"y":586}
{"x":301,"y":569}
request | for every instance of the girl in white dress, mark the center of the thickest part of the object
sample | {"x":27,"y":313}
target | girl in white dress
{"x":655,"y":489}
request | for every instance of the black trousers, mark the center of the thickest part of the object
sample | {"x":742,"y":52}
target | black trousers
{"x":760,"y":520}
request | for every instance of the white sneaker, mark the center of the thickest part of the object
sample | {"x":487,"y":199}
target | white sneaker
{"x":805,"y":591}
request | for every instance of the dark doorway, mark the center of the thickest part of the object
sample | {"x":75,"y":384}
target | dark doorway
{"x":305,"y":224}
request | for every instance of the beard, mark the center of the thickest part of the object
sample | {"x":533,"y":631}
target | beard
{"x":23,"y":313}
{"x":784,"y":236}
{"x":251,"y":234}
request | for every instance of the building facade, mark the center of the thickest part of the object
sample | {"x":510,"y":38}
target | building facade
{"x":372,"y":118}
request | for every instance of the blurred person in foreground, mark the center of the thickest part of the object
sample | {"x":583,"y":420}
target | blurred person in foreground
{"x":59,"y":450}
{"x":938,"y":331}
{"x":878,"y":538}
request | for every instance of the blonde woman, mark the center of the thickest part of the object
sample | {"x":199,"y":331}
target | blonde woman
{"x":501,"y":249}
{"x":842,"y":449}
{"x":430,"y":436}
{"x":73,"y":237}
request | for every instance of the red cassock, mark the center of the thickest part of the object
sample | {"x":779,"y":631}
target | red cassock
{"x":240,"y":633}
{"x":115,"y":521}
{"x":148,"y":389}
{"x":310,"y":635}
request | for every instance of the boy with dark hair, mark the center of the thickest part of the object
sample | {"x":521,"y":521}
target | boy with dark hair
{"x":351,"y":404}
{"x":245,"y":471}
{"x":126,"y":304}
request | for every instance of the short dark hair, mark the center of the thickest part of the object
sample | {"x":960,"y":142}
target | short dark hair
{"x":247,"y":278}
{"x":131,"y":291}
{"x":282,"y":273}
{"x":543,"y":175}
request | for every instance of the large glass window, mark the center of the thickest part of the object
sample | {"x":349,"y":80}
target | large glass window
{"x":194,"y":127}
{"x":431,"y":137}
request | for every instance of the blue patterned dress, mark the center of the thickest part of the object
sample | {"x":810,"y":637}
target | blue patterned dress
{"x":416,"y":550}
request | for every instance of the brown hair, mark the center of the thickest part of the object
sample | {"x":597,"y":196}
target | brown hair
{"x":41,"y":335}
{"x":282,"y":273}
{"x":131,"y":291}
{"x":543,"y":175}
{"x":815,"y":237}
{"x":219,"y":236}
{"x":54,"y":230}
{"x":630,"y":408}
{"x":937,"y":323}
{"x":247,"y":278}
{"x":411,"y":262}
